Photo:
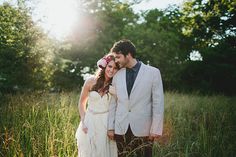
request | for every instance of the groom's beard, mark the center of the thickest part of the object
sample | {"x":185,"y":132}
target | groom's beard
{"x":123,"y":64}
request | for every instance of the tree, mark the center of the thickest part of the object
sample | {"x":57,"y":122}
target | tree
{"x":209,"y":21}
{"x":21,"y":64}
{"x":212,"y":26}
{"x":158,"y":39}
{"x":102,"y":24}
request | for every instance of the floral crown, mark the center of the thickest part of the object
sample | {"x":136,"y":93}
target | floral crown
{"x":102,"y":63}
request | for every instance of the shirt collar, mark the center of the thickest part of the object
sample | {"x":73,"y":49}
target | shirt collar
{"x":136,"y":66}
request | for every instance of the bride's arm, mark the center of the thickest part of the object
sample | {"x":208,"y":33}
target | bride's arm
{"x":84,"y":98}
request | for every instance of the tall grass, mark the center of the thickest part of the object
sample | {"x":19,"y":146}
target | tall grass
{"x":44,"y":124}
{"x":198,"y":126}
{"x":39,"y":125}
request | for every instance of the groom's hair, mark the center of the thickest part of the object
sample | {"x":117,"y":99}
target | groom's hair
{"x":124,"y":47}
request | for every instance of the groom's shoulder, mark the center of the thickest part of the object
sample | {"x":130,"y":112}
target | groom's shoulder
{"x":150,"y":68}
{"x":120,"y":71}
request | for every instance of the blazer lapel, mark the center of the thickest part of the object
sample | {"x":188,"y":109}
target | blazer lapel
{"x":138,"y":78}
{"x":124,"y":83}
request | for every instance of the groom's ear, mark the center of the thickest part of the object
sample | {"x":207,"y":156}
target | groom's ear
{"x":129,"y":55}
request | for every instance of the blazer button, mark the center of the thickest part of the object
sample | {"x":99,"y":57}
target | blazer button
{"x":129,"y":110}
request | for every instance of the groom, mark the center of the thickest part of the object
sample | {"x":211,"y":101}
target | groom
{"x":136,"y":113}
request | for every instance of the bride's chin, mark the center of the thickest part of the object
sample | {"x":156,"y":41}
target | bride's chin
{"x":108,"y":77}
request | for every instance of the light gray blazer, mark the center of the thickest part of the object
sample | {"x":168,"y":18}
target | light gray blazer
{"x":143,"y":110}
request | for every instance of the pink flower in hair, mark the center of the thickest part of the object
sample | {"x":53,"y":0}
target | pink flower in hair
{"x":102,"y":63}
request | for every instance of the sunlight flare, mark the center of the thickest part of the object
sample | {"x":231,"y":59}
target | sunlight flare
{"x":59,"y":17}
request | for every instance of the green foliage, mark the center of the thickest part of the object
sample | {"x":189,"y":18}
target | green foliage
{"x":212,"y":28}
{"x":158,"y":41}
{"x":164,"y":39}
{"x":21,"y":63}
{"x":67,"y":74}
{"x":105,"y":23}
{"x":216,"y":72}
{"x":209,"y":21}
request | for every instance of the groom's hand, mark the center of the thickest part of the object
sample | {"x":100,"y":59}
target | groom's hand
{"x":111,"y":134}
{"x":154,"y":137}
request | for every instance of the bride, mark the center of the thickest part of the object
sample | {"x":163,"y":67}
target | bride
{"x":91,"y":134}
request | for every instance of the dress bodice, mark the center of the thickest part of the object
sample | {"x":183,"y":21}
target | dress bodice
{"x":98,"y":103}
{"x":95,"y":143}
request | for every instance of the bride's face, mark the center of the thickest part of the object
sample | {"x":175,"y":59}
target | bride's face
{"x":111,"y":69}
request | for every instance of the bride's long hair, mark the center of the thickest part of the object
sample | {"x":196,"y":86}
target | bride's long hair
{"x":100,"y":85}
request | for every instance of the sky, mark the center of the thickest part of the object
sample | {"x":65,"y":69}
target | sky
{"x":58,"y":23}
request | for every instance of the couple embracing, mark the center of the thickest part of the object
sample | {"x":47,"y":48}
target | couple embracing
{"x":125,"y":108}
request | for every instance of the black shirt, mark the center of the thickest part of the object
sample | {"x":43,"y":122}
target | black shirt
{"x":131,"y":74}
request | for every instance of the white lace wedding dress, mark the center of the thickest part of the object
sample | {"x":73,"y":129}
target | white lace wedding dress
{"x":96,"y":143}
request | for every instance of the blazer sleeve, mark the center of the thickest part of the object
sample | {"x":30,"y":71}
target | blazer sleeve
{"x":157,"y":104}
{"x":112,"y":109}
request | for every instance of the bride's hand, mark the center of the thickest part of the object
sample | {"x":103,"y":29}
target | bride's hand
{"x":84,"y":128}
{"x":112,"y":90}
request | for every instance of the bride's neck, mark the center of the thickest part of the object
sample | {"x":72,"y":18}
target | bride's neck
{"x":107,"y":80}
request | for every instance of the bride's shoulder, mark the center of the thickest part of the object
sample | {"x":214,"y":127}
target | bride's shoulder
{"x":91,"y":78}
{"x":90,"y":81}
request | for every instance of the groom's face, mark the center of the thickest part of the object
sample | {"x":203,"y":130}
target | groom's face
{"x":121,"y":60}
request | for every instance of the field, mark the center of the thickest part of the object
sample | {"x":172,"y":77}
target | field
{"x":44,"y":125}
